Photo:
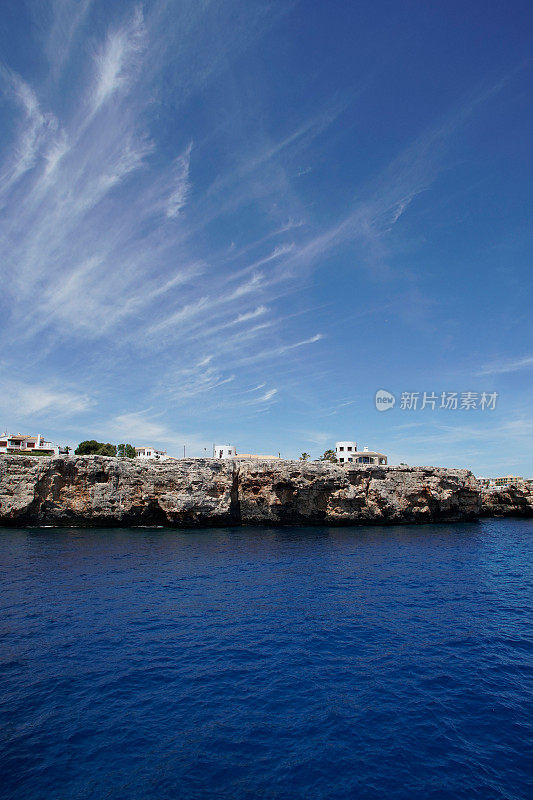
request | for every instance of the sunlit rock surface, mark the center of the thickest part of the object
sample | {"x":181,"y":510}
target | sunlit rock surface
{"x":514,"y":501}
{"x":95,"y":490}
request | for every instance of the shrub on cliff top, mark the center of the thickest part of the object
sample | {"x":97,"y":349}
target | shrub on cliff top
{"x":91,"y":447}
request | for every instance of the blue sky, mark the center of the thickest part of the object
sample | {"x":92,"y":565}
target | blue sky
{"x":235,"y":221}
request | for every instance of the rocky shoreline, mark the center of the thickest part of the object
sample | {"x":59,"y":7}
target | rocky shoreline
{"x":513,"y":501}
{"x":103,"y":491}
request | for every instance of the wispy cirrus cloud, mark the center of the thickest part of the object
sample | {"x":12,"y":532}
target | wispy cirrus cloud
{"x":36,"y":132}
{"x":41,"y":400}
{"x":178,"y":198}
{"x":462,"y":443}
{"x":383,"y":199}
{"x":145,"y":427}
{"x":277,"y":352}
{"x":67,"y":19}
{"x":162,"y":223}
{"x":75,"y":191}
{"x":257,"y":312}
{"x":97,"y":261}
{"x":507,"y":365}
{"x":118,"y":58}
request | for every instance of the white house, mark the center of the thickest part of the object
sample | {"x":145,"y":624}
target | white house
{"x":347,"y":453}
{"x":345,"y":449}
{"x":22,"y":443}
{"x":147,"y":451}
{"x":224,"y":451}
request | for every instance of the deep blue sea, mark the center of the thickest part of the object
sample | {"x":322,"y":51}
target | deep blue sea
{"x":389,"y":662}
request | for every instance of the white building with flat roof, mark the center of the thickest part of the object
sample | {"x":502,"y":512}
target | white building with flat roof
{"x":147,"y":451}
{"x":347,"y":453}
{"x":224,"y":451}
{"x":343,"y":449}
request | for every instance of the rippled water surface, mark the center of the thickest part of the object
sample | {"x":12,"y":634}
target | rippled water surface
{"x":267,"y":663}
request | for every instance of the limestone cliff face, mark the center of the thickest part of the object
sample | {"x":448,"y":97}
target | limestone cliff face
{"x":95,"y":490}
{"x":515,"y":501}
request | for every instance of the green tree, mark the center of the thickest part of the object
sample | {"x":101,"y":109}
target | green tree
{"x":126,"y":451}
{"x":91,"y":447}
{"x":329,"y":455}
{"x":87,"y":448}
{"x":305,"y":457}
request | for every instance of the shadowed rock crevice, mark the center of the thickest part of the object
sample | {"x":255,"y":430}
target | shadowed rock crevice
{"x":235,"y":503}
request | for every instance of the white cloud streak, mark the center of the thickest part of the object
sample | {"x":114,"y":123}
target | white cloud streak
{"x":23,"y":401}
{"x":117,"y":59}
{"x":144,"y":428}
{"x":507,"y":365}
{"x":118,"y":243}
{"x":178,"y":198}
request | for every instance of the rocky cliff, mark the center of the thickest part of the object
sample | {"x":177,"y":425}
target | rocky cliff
{"x":95,"y":490}
{"x":514,"y":501}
